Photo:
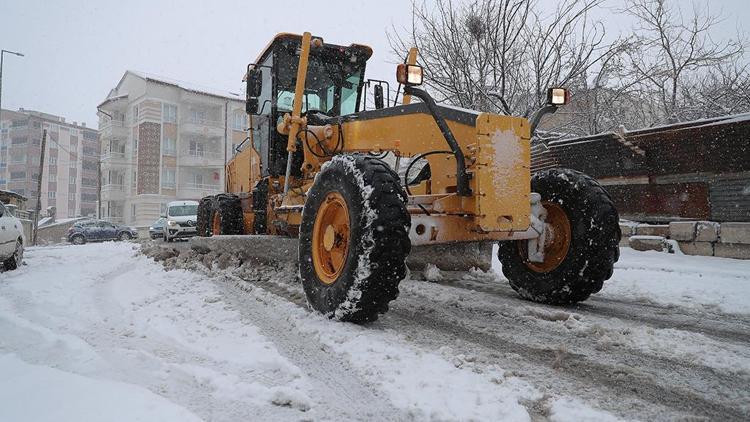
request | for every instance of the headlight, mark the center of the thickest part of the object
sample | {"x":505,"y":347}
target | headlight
{"x":558,"y":96}
{"x":409,"y":74}
{"x":171,"y":223}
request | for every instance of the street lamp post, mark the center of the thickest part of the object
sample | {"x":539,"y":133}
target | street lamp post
{"x":2,"y":54}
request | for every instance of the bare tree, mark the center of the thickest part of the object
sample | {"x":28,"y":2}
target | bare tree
{"x":723,"y":89}
{"x":501,"y":55}
{"x":672,"y":48}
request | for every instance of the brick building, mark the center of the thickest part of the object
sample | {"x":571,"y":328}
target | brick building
{"x":69,"y":179}
{"x":164,"y":140}
{"x":697,"y":170}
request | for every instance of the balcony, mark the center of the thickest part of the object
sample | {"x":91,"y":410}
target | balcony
{"x":197,"y":190}
{"x":205,"y":127}
{"x":112,"y":159}
{"x":114,"y":129}
{"x":113,"y":192}
{"x":199,"y":158}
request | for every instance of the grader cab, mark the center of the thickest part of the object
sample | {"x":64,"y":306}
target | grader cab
{"x":360,"y":187}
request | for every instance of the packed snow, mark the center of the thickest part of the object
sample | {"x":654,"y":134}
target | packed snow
{"x":100,"y":332}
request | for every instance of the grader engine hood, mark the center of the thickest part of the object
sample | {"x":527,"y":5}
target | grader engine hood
{"x":503,"y":177}
{"x":497,"y":151}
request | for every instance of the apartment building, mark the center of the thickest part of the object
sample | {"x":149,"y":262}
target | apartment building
{"x":70,"y":176}
{"x":164,"y":140}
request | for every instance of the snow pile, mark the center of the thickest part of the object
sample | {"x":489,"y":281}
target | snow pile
{"x":42,"y":393}
{"x":572,"y":410}
{"x":93,"y":333}
{"x":432,"y":273}
{"x":702,"y":282}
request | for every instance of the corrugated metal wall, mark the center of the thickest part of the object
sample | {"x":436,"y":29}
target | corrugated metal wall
{"x":694,"y":170}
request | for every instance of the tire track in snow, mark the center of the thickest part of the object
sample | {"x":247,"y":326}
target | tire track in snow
{"x":355,"y":399}
{"x":637,"y":377}
{"x":684,"y":389}
{"x":723,"y":327}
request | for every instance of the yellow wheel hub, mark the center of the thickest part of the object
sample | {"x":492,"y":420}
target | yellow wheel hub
{"x":216,"y":224}
{"x":556,"y":242}
{"x":330,"y":241}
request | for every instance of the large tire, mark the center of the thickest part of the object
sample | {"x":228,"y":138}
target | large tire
{"x":226,"y":217}
{"x":16,"y":259}
{"x":375,"y":229}
{"x":203,"y":218}
{"x":591,"y":248}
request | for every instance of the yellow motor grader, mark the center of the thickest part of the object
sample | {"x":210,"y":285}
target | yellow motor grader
{"x":359,"y":187}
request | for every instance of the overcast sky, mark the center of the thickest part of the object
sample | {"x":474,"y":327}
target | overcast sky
{"x":76,"y":51}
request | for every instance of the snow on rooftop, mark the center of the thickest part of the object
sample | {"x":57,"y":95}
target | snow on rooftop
{"x":188,"y":86}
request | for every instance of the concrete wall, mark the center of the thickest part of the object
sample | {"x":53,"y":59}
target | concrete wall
{"x":706,"y":238}
{"x":53,"y":233}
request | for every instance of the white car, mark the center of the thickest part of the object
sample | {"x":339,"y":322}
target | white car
{"x":181,"y":219}
{"x":12,"y":240}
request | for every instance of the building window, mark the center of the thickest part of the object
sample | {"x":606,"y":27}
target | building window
{"x":135,"y":113}
{"x":170,"y":113}
{"x":196,"y":148}
{"x":52,"y":161}
{"x":53,"y":178}
{"x":168,"y":178}
{"x":198,"y":116}
{"x":170,"y":146}
{"x":239,"y":121}
{"x":132,"y":212}
{"x":51,"y":194}
{"x":18,"y":175}
{"x":72,"y":180}
{"x":18,"y":157}
{"x":18,"y":141}
{"x":72,"y":196}
{"x":197,"y":178}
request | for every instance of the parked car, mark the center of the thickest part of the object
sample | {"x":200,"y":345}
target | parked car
{"x":12,"y":240}
{"x":156,"y":230}
{"x":99,"y":231}
{"x":181,"y":218}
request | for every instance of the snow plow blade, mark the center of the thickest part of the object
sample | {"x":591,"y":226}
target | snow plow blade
{"x":265,"y":250}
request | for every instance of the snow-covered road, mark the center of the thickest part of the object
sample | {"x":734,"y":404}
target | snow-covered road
{"x":99,"y":332}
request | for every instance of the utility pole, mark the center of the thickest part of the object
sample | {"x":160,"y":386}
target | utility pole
{"x":99,"y":186}
{"x":39,"y":186}
{"x":2,"y":53}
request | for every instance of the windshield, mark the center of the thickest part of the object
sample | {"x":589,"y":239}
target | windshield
{"x":332,"y":83}
{"x":183,"y":210}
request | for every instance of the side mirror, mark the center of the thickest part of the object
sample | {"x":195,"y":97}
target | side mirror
{"x":251,"y":105}
{"x":378,"y":94}
{"x":254,"y":83}
{"x":254,"y":88}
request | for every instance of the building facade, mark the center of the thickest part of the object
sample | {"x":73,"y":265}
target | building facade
{"x":163,"y":140}
{"x":698,"y":170}
{"x":70,"y":175}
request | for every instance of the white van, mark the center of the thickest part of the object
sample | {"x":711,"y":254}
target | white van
{"x":181,"y":218}
{"x":12,"y":240}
